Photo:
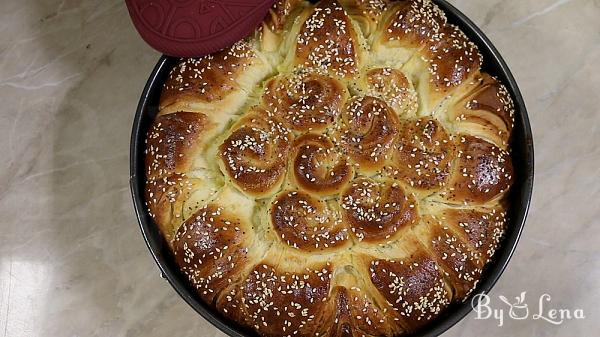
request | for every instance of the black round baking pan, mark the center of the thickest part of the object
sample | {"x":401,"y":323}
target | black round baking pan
{"x":522,"y":155}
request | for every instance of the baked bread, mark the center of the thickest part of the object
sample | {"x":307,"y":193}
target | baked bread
{"x":343,"y":172}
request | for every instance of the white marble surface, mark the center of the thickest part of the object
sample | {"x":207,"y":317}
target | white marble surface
{"x":72,"y":261}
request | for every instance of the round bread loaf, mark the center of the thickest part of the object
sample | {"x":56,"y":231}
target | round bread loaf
{"x":342,"y":172}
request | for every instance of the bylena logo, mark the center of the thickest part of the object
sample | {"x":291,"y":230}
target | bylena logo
{"x":519,"y":309}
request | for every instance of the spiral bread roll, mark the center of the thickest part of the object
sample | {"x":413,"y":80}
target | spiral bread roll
{"x":342,"y":172}
{"x":305,"y":100}
{"x":318,"y":167}
{"x":368,"y":131}
{"x":255,"y":154}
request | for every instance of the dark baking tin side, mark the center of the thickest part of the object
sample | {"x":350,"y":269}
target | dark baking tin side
{"x":522,"y":154}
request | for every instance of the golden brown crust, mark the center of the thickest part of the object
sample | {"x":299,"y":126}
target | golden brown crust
{"x":376,"y":211}
{"x":209,"y":82}
{"x":280,"y":14}
{"x":305,"y":100}
{"x":451,"y":58}
{"x":342,"y":172}
{"x":487,"y":112}
{"x":367,"y":13}
{"x":357,"y":315}
{"x":482,"y":229}
{"x":394,"y":88}
{"x":414,"y":288}
{"x":281,"y":303}
{"x":165,"y":197}
{"x":423,"y":155}
{"x":306,"y":223}
{"x":412,"y":23}
{"x":328,"y":42}
{"x":317,"y":167}
{"x":458,"y":262}
{"x":368,"y":131}
{"x":418,"y":33}
{"x":172,"y":142}
{"x":254,"y":156}
{"x":482,"y":172}
{"x":211,"y":248}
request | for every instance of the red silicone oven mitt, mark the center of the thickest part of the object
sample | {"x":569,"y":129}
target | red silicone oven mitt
{"x":193,"y":28}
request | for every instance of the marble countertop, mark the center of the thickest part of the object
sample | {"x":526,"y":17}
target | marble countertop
{"x":72,"y":260}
